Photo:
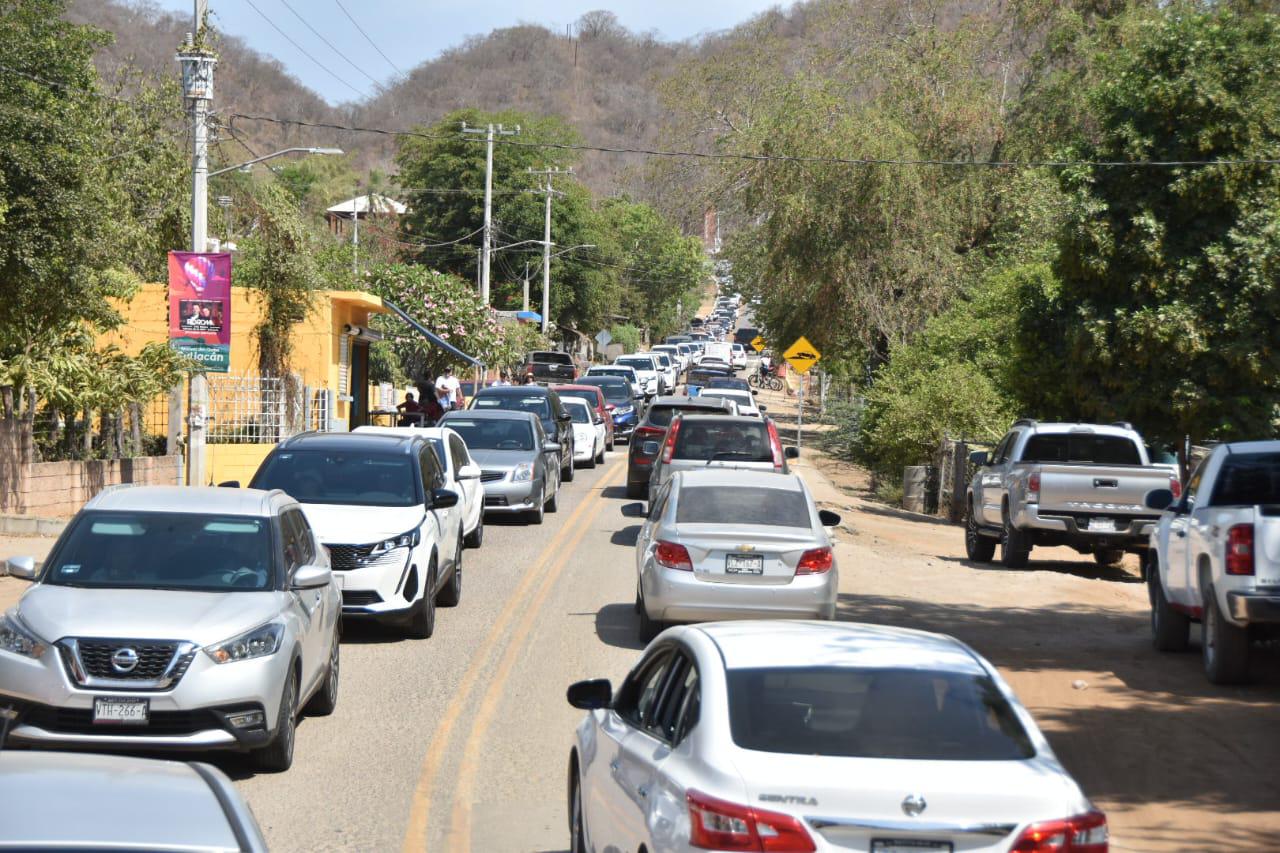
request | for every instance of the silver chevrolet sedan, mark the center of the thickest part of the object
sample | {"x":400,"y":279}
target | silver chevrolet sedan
{"x":519,"y":464}
{"x":180,"y":618}
{"x":722,"y":543}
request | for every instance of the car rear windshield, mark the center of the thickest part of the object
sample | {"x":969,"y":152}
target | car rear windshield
{"x":730,"y":441}
{"x":589,"y":397}
{"x":535,"y":403}
{"x":1082,"y":447}
{"x":1248,"y":479}
{"x":734,"y":505}
{"x":342,"y":477}
{"x":726,"y":382}
{"x":580,"y":414}
{"x":615,"y":392}
{"x":910,"y":714}
{"x":636,"y":363}
{"x":493,"y":434}
{"x":550,"y":358}
{"x":168,"y":550}
{"x":661,"y":415}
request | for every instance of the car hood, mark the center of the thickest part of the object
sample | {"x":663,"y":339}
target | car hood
{"x":54,"y":612}
{"x":502,"y":459}
{"x":359,"y":525}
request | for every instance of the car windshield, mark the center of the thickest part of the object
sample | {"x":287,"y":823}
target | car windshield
{"x":726,"y":382}
{"x":535,"y":403}
{"x":1081,"y":447}
{"x":342,"y":477}
{"x":165,"y":550}
{"x":615,"y":392}
{"x":1248,"y":479}
{"x":493,"y":433}
{"x":700,"y":438}
{"x":911,"y":714}
{"x":737,"y":505}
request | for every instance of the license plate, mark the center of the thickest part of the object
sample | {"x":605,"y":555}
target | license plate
{"x":744,"y":564}
{"x":908,"y":845}
{"x":112,"y":711}
{"x":1107,"y":525}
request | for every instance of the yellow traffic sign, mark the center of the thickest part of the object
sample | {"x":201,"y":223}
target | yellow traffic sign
{"x":802,"y":355}
{"x":758,"y":344}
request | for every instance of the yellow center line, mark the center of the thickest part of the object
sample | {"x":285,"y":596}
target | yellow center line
{"x":460,"y":830}
{"x":415,"y":839}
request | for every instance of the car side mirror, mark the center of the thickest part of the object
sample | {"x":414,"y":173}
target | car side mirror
{"x":23,"y":568}
{"x":829,"y":518}
{"x":1159,"y":499}
{"x":755,"y":393}
{"x":229,"y":484}
{"x":981,"y":458}
{"x":550,"y":447}
{"x":590,"y":695}
{"x":311,"y":577}
{"x":443,"y":498}
{"x":763,"y":408}
{"x":597,"y":420}
{"x":469,"y":472}
{"x":791,"y":453}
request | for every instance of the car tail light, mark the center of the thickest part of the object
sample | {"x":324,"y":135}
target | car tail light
{"x":815,"y":562}
{"x":1033,"y":486}
{"x":1240,"y":550}
{"x":775,"y":444}
{"x":1085,"y":833}
{"x":609,"y":407}
{"x":719,"y":825}
{"x":673,"y":556}
{"x":669,"y":448}
{"x":1175,"y":486}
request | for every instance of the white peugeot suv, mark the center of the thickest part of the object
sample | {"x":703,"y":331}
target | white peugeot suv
{"x":379,"y":505}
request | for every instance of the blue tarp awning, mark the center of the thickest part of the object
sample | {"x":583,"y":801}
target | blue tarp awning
{"x":532,"y":316}
{"x":431,"y":336}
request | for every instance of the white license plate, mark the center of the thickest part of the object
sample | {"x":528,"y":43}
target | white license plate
{"x":744,"y":564}
{"x":1106,"y":525}
{"x":121,"y":712}
{"x":908,"y":845}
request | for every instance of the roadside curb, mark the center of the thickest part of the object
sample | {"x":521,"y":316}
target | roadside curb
{"x":30,"y":525}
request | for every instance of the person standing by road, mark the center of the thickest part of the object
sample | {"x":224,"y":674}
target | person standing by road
{"x":448,"y":390}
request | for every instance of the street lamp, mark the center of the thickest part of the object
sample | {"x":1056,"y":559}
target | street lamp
{"x":274,"y":154}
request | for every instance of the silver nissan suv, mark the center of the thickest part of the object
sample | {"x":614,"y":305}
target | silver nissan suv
{"x":183,"y":618}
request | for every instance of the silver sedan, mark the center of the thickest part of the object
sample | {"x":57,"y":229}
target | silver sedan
{"x":734,"y":544}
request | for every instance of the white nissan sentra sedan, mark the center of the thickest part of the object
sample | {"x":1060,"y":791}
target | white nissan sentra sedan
{"x":731,"y":543}
{"x":817,"y":736}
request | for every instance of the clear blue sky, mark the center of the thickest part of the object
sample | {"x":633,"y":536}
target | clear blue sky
{"x":410,"y":32}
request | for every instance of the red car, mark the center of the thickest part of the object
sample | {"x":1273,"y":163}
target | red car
{"x":595,"y":399}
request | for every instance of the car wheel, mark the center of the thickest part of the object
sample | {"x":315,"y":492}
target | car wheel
{"x":423,"y":622}
{"x":535,"y":515}
{"x":553,"y":503}
{"x":476,"y":537}
{"x":1169,"y":628}
{"x":452,"y":592}
{"x":1225,"y":646}
{"x":567,"y":474}
{"x":1109,"y":556}
{"x":277,"y":756}
{"x":325,"y":700}
{"x":577,"y":836}
{"x":609,"y":445}
{"x":649,"y":628}
{"x":591,"y":460}
{"x":600,"y":456}
{"x":1015,"y":545}
{"x":979,"y":548}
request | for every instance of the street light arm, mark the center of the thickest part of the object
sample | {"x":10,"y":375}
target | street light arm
{"x":275,"y":154}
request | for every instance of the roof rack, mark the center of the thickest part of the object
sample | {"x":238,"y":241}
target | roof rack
{"x":1028,"y":422}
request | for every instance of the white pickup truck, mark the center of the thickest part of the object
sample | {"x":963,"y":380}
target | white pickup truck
{"x":1079,"y":485}
{"x":1215,"y":557}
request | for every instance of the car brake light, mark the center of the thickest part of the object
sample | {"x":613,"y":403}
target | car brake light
{"x":1175,"y":486}
{"x":719,"y":825}
{"x":673,"y":556}
{"x":815,"y":562}
{"x":1240,"y":550}
{"x":775,"y":444}
{"x":1033,"y":486}
{"x":669,"y":448}
{"x":1085,"y":833}
{"x":647,"y":432}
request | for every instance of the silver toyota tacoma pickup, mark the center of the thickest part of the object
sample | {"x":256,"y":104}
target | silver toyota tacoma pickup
{"x":1079,"y":485}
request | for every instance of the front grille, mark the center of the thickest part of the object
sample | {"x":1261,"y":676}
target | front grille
{"x":153,"y":659}
{"x":360,"y":598}
{"x":495,"y":500}
{"x":492,"y":476}
{"x":79,"y":721}
{"x":345,"y":558}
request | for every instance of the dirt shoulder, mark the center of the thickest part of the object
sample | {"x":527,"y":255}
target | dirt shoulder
{"x":1176,"y":763}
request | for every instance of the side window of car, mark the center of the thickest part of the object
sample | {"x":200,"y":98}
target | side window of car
{"x":643,"y":689}
{"x":670,"y":721}
{"x":432,"y":470}
{"x":306,"y":543}
{"x":458,"y":452}
{"x":660,"y":503}
{"x":1001,"y":454}
{"x":290,"y":539}
{"x":1193,"y":484}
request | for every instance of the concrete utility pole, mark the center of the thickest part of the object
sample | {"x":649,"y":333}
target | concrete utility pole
{"x":355,"y":233}
{"x":546,"y":244}
{"x":489,"y":133}
{"x":524,"y":305}
{"x":197,"y":87}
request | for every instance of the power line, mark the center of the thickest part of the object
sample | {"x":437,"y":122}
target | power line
{"x":343,"y":56}
{"x":784,"y":158}
{"x":303,"y":50}
{"x":366,"y":38}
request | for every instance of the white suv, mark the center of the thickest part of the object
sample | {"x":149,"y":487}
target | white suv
{"x":378,"y":505}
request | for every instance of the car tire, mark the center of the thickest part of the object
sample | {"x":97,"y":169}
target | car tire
{"x":567,"y":474}
{"x":608,"y":446}
{"x":649,"y":628}
{"x":577,"y":833}
{"x":600,"y":456}
{"x":535,"y":515}
{"x":422,"y":624}
{"x":552,"y":503}
{"x":452,"y":592}
{"x":1170,"y":629}
{"x":637,"y":491}
{"x":1225,"y":646}
{"x":979,"y":548}
{"x":1109,"y":556}
{"x":277,"y":756}
{"x":475,"y":538}
{"x":1015,"y":545}
{"x":325,"y":700}
{"x":591,"y":460}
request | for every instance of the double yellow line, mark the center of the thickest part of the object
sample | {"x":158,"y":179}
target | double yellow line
{"x":543,"y":575}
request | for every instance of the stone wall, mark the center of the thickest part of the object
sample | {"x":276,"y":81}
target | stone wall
{"x":62,"y":488}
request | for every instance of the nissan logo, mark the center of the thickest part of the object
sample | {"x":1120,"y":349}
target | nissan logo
{"x":124,"y":660}
{"x":913,"y":805}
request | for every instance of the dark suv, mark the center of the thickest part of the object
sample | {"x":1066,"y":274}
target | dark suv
{"x":541,"y":401}
{"x":550,"y":366}
{"x":646,"y":441}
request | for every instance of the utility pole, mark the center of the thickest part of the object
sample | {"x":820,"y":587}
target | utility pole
{"x":524,"y":305}
{"x":489,"y":133}
{"x":546,"y":243}
{"x":197,"y":86}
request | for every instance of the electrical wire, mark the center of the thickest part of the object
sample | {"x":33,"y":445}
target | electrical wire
{"x":331,"y":46}
{"x":371,"y":42}
{"x":304,"y":52}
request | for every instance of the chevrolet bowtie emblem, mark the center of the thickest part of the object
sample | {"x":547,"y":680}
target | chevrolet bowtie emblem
{"x":746,"y":548}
